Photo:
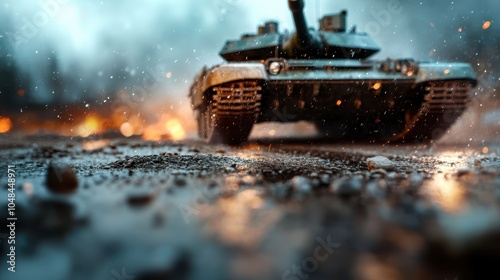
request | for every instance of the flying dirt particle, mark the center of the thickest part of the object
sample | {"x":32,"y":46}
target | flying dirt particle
{"x":486,"y":25}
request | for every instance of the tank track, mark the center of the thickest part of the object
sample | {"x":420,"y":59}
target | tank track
{"x":233,"y":111}
{"x":444,"y":102}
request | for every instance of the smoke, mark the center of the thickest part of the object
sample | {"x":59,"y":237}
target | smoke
{"x":89,"y":49}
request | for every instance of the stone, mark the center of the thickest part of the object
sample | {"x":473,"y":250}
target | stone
{"x":139,"y":197}
{"x":346,"y":187}
{"x":180,"y":181}
{"x":463,"y":172}
{"x":301,"y":184}
{"x":416,"y":180}
{"x":61,"y":179}
{"x":380,"y":162}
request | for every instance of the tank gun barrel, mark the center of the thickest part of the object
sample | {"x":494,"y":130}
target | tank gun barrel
{"x":302,"y":37}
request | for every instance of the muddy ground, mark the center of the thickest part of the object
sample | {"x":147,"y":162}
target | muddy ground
{"x":305,"y":209}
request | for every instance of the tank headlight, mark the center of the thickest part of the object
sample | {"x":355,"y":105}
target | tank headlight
{"x":398,"y":66}
{"x":408,"y":68}
{"x":275,"y":68}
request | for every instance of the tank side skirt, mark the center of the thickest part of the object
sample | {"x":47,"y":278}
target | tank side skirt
{"x":444,"y":103}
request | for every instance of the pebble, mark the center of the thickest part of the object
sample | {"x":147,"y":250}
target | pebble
{"x":194,"y":150}
{"x":61,"y":179}
{"x":180,"y":181}
{"x":325,"y":179}
{"x":346,"y":187}
{"x":380,"y":162}
{"x":301,"y":184}
{"x":373,"y":189}
{"x":229,"y":169}
{"x":130,"y":163}
{"x":380,"y":172}
{"x":138,"y":197}
{"x":463,"y":171}
{"x":416,"y":180}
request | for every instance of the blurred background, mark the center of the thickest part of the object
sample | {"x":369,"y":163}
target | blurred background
{"x":79,"y":68}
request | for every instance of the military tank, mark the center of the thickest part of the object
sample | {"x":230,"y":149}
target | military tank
{"x":325,"y":76}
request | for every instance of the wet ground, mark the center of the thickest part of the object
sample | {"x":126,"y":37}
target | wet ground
{"x":129,"y":209}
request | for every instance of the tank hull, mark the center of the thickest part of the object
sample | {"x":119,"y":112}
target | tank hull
{"x":348,"y":99}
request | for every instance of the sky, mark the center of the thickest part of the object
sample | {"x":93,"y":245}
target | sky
{"x":75,"y":50}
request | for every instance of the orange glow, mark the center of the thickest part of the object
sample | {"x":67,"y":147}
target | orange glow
{"x":272,"y":132}
{"x":169,"y":75}
{"x":486,"y":24}
{"x":5,"y":125}
{"x":339,"y":102}
{"x":447,"y":193}
{"x":126,"y":129}
{"x":91,"y":125}
{"x":21,"y":92}
{"x":235,"y":218}
{"x":485,"y":150}
{"x":447,"y":71}
{"x":127,"y":121}
{"x":94,"y":145}
{"x":165,"y":128}
{"x":377,"y":86}
{"x":175,"y":128}
{"x":445,"y":190}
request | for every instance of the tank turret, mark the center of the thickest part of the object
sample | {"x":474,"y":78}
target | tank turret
{"x":329,"y":42}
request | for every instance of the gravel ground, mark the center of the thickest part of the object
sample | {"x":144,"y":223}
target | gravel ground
{"x":129,"y":209}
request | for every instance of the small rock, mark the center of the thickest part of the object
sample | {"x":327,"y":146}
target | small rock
{"x":61,"y":179}
{"x":347,"y":187}
{"x":129,"y":163}
{"x":380,"y":162}
{"x":180,"y":181}
{"x":301,"y":184}
{"x":139,"y":197}
{"x":380,"y":172}
{"x":229,"y":169}
{"x":416,"y":180}
{"x":194,"y":150}
{"x":325,"y":179}
{"x":373,"y":189}
{"x":463,"y":171}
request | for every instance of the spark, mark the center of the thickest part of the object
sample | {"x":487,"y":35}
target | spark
{"x":486,"y":24}
{"x":5,"y":125}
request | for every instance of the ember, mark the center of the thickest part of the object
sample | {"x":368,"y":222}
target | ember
{"x":165,"y":128}
{"x":486,"y":24}
{"x":5,"y":124}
